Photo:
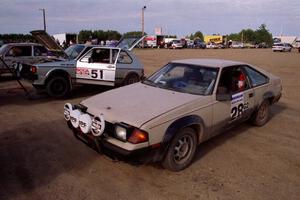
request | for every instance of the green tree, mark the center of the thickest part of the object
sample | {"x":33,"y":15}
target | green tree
{"x":247,"y":35}
{"x":234,"y":37}
{"x":133,"y":34}
{"x":197,"y":35}
{"x":84,"y":35}
{"x":263,"y":35}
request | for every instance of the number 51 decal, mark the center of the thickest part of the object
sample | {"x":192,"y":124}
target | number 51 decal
{"x":97,"y":74}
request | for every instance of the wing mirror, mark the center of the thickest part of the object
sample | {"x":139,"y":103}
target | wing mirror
{"x":222,"y":94}
{"x":223,"y":97}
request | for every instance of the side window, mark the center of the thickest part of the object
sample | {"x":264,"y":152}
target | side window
{"x":18,"y":51}
{"x":233,"y":80}
{"x":256,"y":77}
{"x":97,"y":56}
{"x":39,"y":51}
{"x":124,"y":58}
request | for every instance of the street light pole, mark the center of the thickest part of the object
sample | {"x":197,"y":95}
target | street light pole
{"x":143,"y":23}
{"x":44,"y":17}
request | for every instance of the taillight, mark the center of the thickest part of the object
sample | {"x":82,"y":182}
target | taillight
{"x":33,"y":69}
{"x":138,"y":136}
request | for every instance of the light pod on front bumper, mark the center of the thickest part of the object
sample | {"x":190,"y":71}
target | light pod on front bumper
{"x":85,"y":122}
{"x":68,"y":108}
{"x":74,"y":117}
{"x":98,"y":125}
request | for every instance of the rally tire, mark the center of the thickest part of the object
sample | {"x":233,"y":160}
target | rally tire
{"x":58,"y":87}
{"x":261,"y":116}
{"x":131,"y":78}
{"x":181,"y":150}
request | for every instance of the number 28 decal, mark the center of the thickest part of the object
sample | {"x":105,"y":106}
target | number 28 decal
{"x":237,"y":111}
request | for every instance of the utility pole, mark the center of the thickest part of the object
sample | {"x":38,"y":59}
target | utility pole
{"x":143,"y":23}
{"x":44,"y":17}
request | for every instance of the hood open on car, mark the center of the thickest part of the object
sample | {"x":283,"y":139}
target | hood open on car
{"x":128,"y":43}
{"x":46,"y":40}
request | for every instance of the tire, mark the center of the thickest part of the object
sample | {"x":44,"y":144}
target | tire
{"x":261,"y":116}
{"x":131,"y":78}
{"x":58,"y":87}
{"x":181,"y":150}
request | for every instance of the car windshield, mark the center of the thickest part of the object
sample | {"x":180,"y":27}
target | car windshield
{"x":185,"y":78}
{"x":74,"y":50}
{"x":3,"y":49}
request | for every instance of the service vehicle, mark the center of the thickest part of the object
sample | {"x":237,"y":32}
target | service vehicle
{"x":30,"y":53}
{"x":282,"y":47}
{"x":183,"y":104}
{"x":88,"y":64}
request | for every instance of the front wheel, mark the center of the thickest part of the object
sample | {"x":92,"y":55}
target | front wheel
{"x":181,"y":150}
{"x":58,"y":87}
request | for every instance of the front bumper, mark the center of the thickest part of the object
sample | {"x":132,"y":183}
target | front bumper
{"x":101,"y":145}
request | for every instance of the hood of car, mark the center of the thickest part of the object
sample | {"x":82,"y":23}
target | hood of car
{"x":46,"y":40}
{"x":136,"y":104}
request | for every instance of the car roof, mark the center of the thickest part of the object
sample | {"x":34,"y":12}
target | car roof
{"x":23,"y":44}
{"x":216,"y":63}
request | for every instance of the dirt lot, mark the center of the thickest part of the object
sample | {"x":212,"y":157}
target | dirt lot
{"x":40,"y":159}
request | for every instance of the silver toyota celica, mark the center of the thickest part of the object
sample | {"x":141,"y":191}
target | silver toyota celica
{"x":183,"y":104}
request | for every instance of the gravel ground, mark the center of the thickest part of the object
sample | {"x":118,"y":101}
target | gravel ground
{"x":40,"y":158}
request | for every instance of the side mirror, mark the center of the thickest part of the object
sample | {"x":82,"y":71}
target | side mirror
{"x":222,"y":94}
{"x":223,"y":97}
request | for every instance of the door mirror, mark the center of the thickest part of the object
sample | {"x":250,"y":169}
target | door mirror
{"x":223,"y":94}
{"x":223,"y":97}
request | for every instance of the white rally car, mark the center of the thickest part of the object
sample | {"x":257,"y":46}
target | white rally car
{"x":86,"y":64}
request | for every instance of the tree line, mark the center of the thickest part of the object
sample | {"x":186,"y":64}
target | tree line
{"x":259,"y":35}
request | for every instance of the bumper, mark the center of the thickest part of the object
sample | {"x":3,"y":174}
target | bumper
{"x":101,"y":145}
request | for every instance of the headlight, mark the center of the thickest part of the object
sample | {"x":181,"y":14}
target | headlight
{"x":67,"y":111}
{"x":85,"y":122}
{"x":98,"y":125}
{"x":74,"y":117}
{"x":121,"y":133}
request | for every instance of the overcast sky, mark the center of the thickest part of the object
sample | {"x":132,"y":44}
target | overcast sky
{"x":180,"y":17}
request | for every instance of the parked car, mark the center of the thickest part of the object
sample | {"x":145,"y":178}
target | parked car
{"x":190,"y":44}
{"x":30,"y":53}
{"x":199,"y":44}
{"x":175,"y":44}
{"x":237,"y":45}
{"x":180,"y":106}
{"x":88,"y":64}
{"x":211,"y":45}
{"x":282,"y":47}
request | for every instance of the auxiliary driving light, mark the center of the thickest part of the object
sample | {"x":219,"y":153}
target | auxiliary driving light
{"x":67,"y":110}
{"x":98,"y":125}
{"x":74,"y":117}
{"x":85,"y":122}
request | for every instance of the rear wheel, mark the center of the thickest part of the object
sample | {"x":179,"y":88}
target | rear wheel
{"x":181,"y":150}
{"x":261,"y":116}
{"x":130,"y":79}
{"x":58,"y":87}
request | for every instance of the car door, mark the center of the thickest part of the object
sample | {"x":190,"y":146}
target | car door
{"x":97,"y":66}
{"x":18,"y":54}
{"x":234,"y":98}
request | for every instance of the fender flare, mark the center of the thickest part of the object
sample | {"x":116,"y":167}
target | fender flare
{"x":179,"y":124}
